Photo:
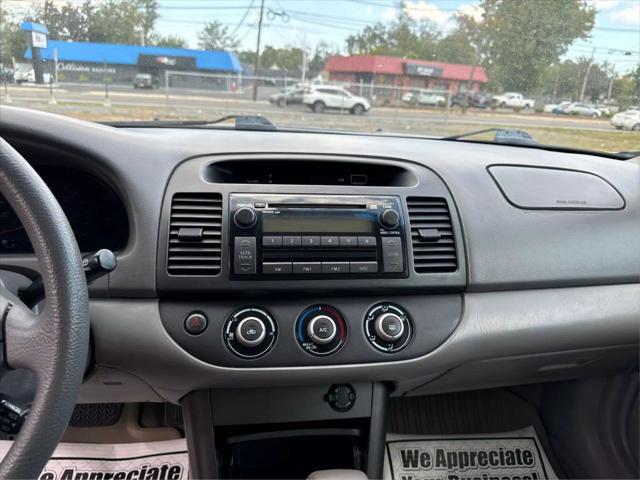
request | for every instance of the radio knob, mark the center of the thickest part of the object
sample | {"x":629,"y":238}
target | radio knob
{"x":389,"y":327}
{"x":245,"y":217}
{"x":321,"y":329}
{"x":389,"y":218}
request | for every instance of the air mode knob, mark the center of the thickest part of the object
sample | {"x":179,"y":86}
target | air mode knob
{"x":389,"y":218}
{"x":388,"y":327}
{"x":245,"y":217}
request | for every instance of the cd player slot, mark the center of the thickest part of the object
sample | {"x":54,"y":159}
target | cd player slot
{"x":306,"y":206}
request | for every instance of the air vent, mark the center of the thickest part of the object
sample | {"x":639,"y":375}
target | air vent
{"x":434,"y":248}
{"x":195,"y":234}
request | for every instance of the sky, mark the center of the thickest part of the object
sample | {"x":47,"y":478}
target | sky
{"x":306,"y":22}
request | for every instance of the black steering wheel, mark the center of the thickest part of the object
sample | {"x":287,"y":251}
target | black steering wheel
{"x":54,"y":343}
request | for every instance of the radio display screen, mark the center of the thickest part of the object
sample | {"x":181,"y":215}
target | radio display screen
{"x":312,"y":222}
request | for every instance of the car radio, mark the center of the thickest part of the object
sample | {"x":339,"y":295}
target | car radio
{"x":316,"y":236}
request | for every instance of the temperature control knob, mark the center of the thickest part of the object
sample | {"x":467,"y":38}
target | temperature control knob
{"x":321,"y":330}
{"x":250,"y":332}
{"x":245,"y":217}
{"x":388,"y":327}
{"x":389,"y":218}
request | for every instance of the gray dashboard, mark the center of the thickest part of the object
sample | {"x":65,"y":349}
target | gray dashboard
{"x":546,"y":288}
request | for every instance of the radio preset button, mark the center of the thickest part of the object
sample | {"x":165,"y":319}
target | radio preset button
{"x":271,"y":241}
{"x":335,"y":267}
{"x":364,"y":267}
{"x":349,"y":241}
{"x":291,"y":241}
{"x":330,"y":241}
{"x":276,"y":267}
{"x":307,"y":267}
{"x":244,"y":261}
{"x":366,"y":241}
{"x":311,"y":241}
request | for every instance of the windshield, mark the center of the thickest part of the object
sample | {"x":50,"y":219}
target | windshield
{"x":563,"y":72}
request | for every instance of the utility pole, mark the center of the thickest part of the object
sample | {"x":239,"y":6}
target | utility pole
{"x":304,"y":64}
{"x":613,"y":77}
{"x":255,"y":76}
{"x":586,"y":75}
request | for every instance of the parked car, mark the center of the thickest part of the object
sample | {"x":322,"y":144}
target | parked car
{"x":145,"y":80}
{"x":287,"y":96}
{"x":629,"y":120}
{"x":27,"y":75}
{"x":584,"y":109}
{"x":424,"y":97}
{"x":562,"y":108}
{"x":552,"y":107}
{"x":319,"y":98}
{"x":514,"y":100}
{"x":472,"y":99}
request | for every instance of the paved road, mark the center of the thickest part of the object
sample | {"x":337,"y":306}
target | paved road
{"x":214,"y":104}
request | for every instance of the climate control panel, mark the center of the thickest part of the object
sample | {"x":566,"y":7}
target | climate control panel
{"x":273,"y":333}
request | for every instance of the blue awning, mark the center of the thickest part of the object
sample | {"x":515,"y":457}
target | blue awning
{"x":215,"y":60}
{"x":34,"y":27}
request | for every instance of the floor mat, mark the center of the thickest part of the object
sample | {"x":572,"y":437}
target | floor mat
{"x":515,"y":455}
{"x":474,"y":412}
{"x":167,"y":460}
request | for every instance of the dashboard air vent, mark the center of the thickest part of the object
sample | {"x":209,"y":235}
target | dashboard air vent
{"x":195,"y":234}
{"x":434,"y":248}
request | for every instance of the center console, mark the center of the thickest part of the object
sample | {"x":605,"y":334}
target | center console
{"x":272,"y":262}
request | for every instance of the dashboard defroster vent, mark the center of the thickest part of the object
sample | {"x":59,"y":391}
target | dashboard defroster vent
{"x":195,"y":234}
{"x":432,"y":239}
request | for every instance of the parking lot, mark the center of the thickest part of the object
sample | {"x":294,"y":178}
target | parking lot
{"x":99,"y":103}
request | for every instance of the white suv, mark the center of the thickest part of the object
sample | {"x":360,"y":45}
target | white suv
{"x":318,"y":98}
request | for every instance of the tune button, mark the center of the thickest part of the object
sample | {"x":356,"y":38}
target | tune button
{"x":245,"y":217}
{"x":389,"y":218}
{"x":250,"y":331}
{"x":321,"y":329}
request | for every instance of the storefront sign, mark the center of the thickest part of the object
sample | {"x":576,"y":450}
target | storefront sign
{"x":422,"y":70}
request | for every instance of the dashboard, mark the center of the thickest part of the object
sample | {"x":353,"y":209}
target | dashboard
{"x":292,"y":258}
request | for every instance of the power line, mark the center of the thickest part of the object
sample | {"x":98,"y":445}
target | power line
{"x":244,"y":17}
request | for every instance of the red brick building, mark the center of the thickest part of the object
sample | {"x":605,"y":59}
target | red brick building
{"x":404,"y":72}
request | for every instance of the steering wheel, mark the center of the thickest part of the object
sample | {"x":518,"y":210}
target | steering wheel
{"x":54,"y":343}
